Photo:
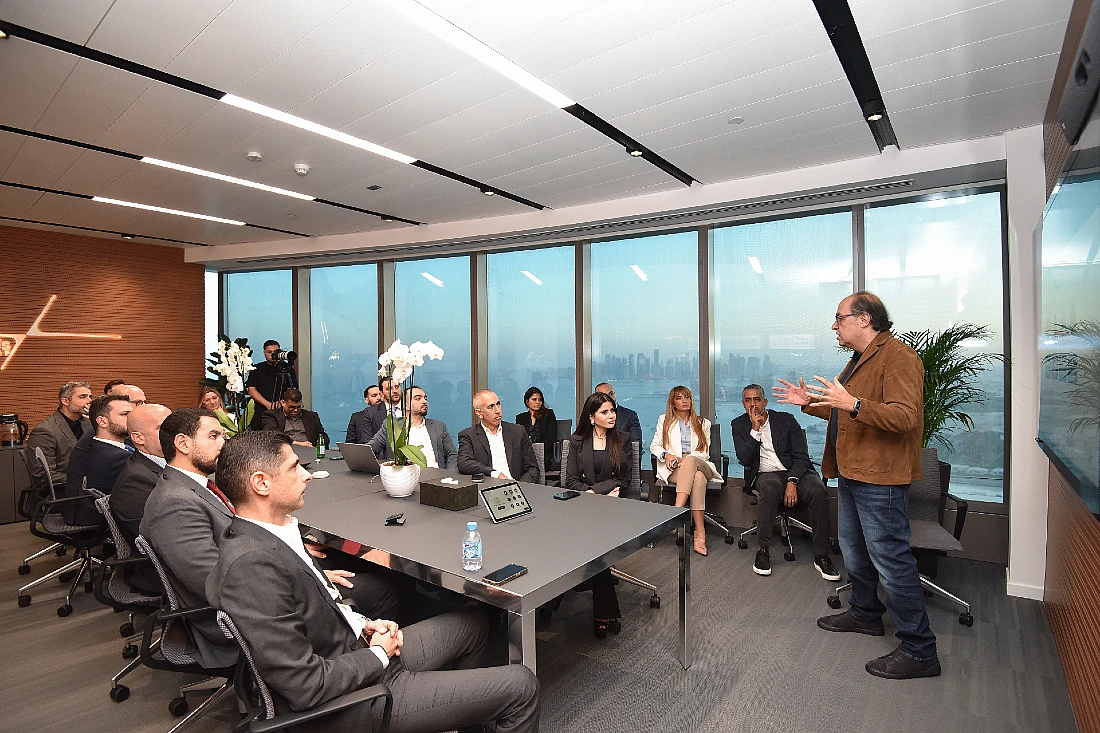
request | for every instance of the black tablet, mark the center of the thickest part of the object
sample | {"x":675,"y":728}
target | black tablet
{"x":505,"y":501}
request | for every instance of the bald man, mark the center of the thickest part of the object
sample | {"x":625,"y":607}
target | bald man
{"x":142,"y":469}
{"x":494,"y":447}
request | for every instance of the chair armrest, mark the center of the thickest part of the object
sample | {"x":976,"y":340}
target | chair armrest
{"x":166,"y":615}
{"x":335,"y":705}
{"x":961,"y":506}
{"x":725,"y":468}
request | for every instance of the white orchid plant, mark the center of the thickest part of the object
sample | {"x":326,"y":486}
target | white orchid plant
{"x":231,"y":363}
{"x":399,"y":363}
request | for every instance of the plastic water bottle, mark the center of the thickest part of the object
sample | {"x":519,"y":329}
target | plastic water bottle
{"x":471,"y":548}
{"x":320,"y":447}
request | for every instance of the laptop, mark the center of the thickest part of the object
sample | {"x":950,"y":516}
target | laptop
{"x":359,"y":457}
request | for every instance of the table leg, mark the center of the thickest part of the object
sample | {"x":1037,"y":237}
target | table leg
{"x":521,"y":639}
{"x":685,"y":595}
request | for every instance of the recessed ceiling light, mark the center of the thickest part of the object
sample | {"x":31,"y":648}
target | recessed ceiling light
{"x":386,"y":218}
{"x":635,"y":153}
{"x":375,"y":187}
{"x":127,"y":236}
{"x":254,"y":157}
{"x":874,"y":118}
{"x":3,"y":34}
{"x":736,"y":120}
{"x":487,"y":192}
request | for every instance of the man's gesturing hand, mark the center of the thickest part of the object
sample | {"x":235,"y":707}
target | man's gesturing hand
{"x":790,"y":394}
{"x":832,"y":394}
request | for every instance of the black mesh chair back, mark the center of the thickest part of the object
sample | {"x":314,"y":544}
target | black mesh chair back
{"x":175,"y":636}
{"x":540,"y":460}
{"x":119,"y":594}
{"x":925,"y":497}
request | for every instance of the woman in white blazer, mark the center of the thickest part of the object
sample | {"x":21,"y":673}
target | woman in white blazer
{"x":681,"y":447}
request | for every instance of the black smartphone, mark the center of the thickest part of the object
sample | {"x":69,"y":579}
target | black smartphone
{"x":567,"y":494}
{"x":506,"y":573}
{"x":477,"y":478}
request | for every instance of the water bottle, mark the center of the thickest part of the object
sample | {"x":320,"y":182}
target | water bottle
{"x":471,"y":548}
{"x":320,"y":447}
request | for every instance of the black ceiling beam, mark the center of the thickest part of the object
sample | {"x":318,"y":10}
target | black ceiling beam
{"x":839,"y":23}
{"x":632,"y":146}
{"x":384,"y":217}
{"x":485,"y":187}
{"x":124,"y":235}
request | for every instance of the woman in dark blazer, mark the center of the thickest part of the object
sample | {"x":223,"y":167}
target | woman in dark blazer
{"x":599,"y":462}
{"x":541,"y":424}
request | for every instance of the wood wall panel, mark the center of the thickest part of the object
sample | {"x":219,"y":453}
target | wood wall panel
{"x":1057,"y":148}
{"x":145,"y":293}
{"x":1073,"y":596}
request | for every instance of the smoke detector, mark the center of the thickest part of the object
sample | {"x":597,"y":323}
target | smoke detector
{"x":254,"y":156}
{"x":301,"y":169}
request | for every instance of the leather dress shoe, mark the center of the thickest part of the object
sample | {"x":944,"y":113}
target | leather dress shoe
{"x":848,"y":622}
{"x":897,"y":666}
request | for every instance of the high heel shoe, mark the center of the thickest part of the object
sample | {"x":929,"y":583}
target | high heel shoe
{"x":701,"y":545}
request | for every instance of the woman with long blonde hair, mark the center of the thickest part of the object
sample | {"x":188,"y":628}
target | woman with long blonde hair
{"x":681,"y":445}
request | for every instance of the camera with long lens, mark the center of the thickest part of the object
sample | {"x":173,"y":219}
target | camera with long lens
{"x":288,"y":356}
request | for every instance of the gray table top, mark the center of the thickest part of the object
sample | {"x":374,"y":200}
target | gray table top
{"x":560,"y":542}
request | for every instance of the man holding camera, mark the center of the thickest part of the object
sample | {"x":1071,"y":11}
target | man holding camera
{"x":268,"y":380}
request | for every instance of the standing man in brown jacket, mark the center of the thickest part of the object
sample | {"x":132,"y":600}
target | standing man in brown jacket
{"x":875,"y":410}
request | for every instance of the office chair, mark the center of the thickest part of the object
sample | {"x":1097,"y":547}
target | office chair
{"x":171,"y":622}
{"x":28,"y":500}
{"x":49,"y":523}
{"x":722,"y":462}
{"x":260,"y":714}
{"x":927,"y":535}
{"x":540,"y":460}
{"x":553,"y":477}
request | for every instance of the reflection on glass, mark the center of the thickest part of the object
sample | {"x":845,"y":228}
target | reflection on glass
{"x":934,"y":264}
{"x":258,"y":306}
{"x":1071,"y":299}
{"x":344,"y":334}
{"x":432,"y":303}
{"x":531,"y":328}
{"x":645,"y":321}
{"x":776,"y":286}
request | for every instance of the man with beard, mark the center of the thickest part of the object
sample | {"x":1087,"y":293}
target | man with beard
{"x":429,"y":435}
{"x":102,"y":462}
{"x":58,"y":433}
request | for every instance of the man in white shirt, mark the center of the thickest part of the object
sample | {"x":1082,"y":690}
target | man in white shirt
{"x":309,"y":648}
{"x":494,"y":447}
{"x":772,"y":448}
{"x":429,"y":435}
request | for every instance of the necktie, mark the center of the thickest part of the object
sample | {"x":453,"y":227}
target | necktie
{"x":218,"y":493}
{"x":129,"y":448}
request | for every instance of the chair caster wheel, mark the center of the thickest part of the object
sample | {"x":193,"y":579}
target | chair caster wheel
{"x":655,"y":602}
{"x":129,"y":652}
{"x":61,"y":551}
{"x":614,"y":626}
{"x":24,"y":601}
{"x":833,"y":601}
{"x":835,"y":548}
{"x":546,"y":613}
{"x":65,"y":610}
{"x":788,"y":556}
{"x":126,"y":630}
{"x":66,"y":577}
{"x":178,"y":707}
{"x":729,"y":540}
{"x":120,"y":693}
{"x":966,"y":619}
{"x":24,"y":569}
{"x":89,"y":586}
{"x":743,"y":544}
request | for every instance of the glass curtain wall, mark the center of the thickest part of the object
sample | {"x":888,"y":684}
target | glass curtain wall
{"x":532,"y":328}
{"x":259,"y":306}
{"x":432,"y":303}
{"x":935,"y":264}
{"x":776,"y":286}
{"x":1069,"y":414}
{"x":344,"y":334}
{"x":645,"y":321}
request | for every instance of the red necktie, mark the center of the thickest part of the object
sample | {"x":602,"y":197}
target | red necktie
{"x":218,"y":493}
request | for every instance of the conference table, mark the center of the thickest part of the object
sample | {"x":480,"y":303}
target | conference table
{"x":561,"y":543}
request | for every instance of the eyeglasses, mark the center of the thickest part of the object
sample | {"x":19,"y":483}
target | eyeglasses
{"x":841,"y":316}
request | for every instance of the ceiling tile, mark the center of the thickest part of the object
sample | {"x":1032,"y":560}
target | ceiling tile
{"x":153,"y":119}
{"x":33,"y":74}
{"x":209,"y":135}
{"x":92,"y":98}
{"x":153,"y":32}
{"x":92,"y":172}
{"x":73,"y":20}
{"x":1040,"y":69}
{"x":41,"y":163}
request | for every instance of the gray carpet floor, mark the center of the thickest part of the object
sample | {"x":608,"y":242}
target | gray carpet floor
{"x":761,"y":663}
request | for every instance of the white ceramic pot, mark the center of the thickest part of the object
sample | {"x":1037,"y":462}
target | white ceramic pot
{"x":399,"y":481}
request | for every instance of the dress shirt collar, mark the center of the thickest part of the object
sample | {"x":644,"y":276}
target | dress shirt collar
{"x":156,"y":459}
{"x":197,"y":477}
{"x":115,"y":443}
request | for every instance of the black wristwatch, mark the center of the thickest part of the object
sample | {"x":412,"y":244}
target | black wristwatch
{"x":792,"y":480}
{"x":855,"y":410}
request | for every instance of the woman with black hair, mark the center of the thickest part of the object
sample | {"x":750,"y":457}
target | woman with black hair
{"x":541,"y":424}
{"x":599,"y":463}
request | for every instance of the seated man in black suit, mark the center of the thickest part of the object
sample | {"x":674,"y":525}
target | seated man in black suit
{"x":310,"y":648}
{"x":772,"y":448}
{"x":626,"y":420}
{"x":494,"y":447}
{"x":303,"y":427}
{"x":102,"y":459}
{"x":357,"y":425}
{"x":58,"y":433}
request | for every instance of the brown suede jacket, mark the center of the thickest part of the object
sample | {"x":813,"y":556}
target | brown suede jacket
{"x":882,"y":444}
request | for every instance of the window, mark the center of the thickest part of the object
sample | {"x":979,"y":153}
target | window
{"x":259,"y":306}
{"x":645,"y":321}
{"x":531,"y":322}
{"x":1069,"y":414}
{"x":776,"y":286}
{"x":432,"y":303}
{"x":935,"y":264}
{"x":211,"y":302}
{"x":344,"y":333}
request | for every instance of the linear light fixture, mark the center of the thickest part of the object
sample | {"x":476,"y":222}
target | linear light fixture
{"x":641,"y":275}
{"x":227,"y":179}
{"x":466,"y":43}
{"x":162,"y":210}
{"x":432,"y":279}
{"x":531,"y":277}
{"x":755,"y":263}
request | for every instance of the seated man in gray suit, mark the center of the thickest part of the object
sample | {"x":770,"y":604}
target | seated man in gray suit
{"x":58,"y":433}
{"x":357,"y":425}
{"x":494,"y":447}
{"x":302,"y":426}
{"x":430,"y":435}
{"x":309,"y":648}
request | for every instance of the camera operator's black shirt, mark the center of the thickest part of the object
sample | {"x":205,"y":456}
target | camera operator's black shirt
{"x":263,"y":378}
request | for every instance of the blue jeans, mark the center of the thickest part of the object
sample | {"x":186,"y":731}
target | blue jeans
{"x":874,"y":535}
